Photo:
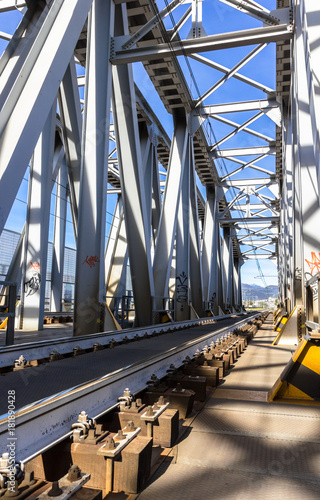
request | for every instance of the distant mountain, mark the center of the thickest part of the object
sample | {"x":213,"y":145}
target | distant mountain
{"x":256,"y":292}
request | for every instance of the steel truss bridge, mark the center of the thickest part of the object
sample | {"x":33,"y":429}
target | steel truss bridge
{"x":190,"y":210}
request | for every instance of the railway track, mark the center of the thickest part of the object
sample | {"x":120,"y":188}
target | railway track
{"x":41,"y":424}
{"x":42,"y":349}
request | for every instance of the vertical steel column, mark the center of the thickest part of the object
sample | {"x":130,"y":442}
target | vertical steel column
{"x":286,"y":246}
{"x":131,"y":174}
{"x":116,"y":255}
{"x":15,"y":269}
{"x":156,"y":197}
{"x":149,"y":156}
{"x":112,"y":239}
{"x":37,"y":228}
{"x":284,"y":286}
{"x":225,"y":266}
{"x":217,"y":253}
{"x":218,"y":241}
{"x":311,"y":35}
{"x":207,"y":249}
{"x":297,"y":216}
{"x":148,"y":143}
{"x":305,"y":87}
{"x":211,"y":269}
{"x":281,"y":254}
{"x":239,"y":284}
{"x":181,"y":311}
{"x":90,"y":279}
{"x":285,"y":240}
{"x":71,"y":122}
{"x":196,"y":284}
{"x":220,"y":278}
{"x":12,"y":297}
{"x":172,"y":277}
{"x":285,"y":258}
{"x":197,"y":29}
{"x":236,"y":282}
{"x":230,"y":285}
{"x":116,"y":260}
{"x":228,"y":268}
{"x":147,"y":160}
{"x":170,"y":204}
{"x":59,"y":240}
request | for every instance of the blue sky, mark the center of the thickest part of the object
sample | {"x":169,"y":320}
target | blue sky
{"x":218,"y":18}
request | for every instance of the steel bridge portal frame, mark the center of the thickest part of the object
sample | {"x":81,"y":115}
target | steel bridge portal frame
{"x":67,"y":139}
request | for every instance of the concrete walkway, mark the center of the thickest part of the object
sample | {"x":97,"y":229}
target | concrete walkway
{"x":241,"y":447}
{"x":49,"y":332}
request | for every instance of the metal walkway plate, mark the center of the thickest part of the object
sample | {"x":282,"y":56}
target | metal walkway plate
{"x":182,"y":482}
{"x":280,"y":425}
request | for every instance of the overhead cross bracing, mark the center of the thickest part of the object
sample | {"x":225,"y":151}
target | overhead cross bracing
{"x":202,"y":160}
{"x":225,"y":141}
{"x":147,"y":116}
{"x":179,"y":94}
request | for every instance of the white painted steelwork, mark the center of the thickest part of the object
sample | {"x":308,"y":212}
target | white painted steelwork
{"x":280,"y":193}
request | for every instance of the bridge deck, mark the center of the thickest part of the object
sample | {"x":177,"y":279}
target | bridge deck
{"x":241,"y":447}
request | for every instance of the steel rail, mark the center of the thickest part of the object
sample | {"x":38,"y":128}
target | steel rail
{"x":44,"y":422}
{"x":43,"y":348}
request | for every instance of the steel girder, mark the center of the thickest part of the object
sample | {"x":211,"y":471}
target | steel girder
{"x":196,"y":281}
{"x":59,"y":239}
{"x":237,"y":284}
{"x":203,"y":44}
{"x":35,"y":65}
{"x":71,"y":127}
{"x":182,"y":257}
{"x":228,"y":269}
{"x":133,"y":189}
{"x":137,"y":193}
{"x":90,"y":275}
{"x":211,"y":254}
{"x":170,"y":204}
{"x":37,"y":228}
{"x":116,"y":256}
{"x":214,"y":109}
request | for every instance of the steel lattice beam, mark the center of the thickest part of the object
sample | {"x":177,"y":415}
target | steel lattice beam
{"x":204,"y":44}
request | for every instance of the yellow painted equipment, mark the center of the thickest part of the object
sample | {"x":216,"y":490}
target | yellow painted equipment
{"x":4,"y":323}
{"x":280,"y":327}
{"x":300,"y":380}
{"x":280,"y":324}
{"x":277,"y":314}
